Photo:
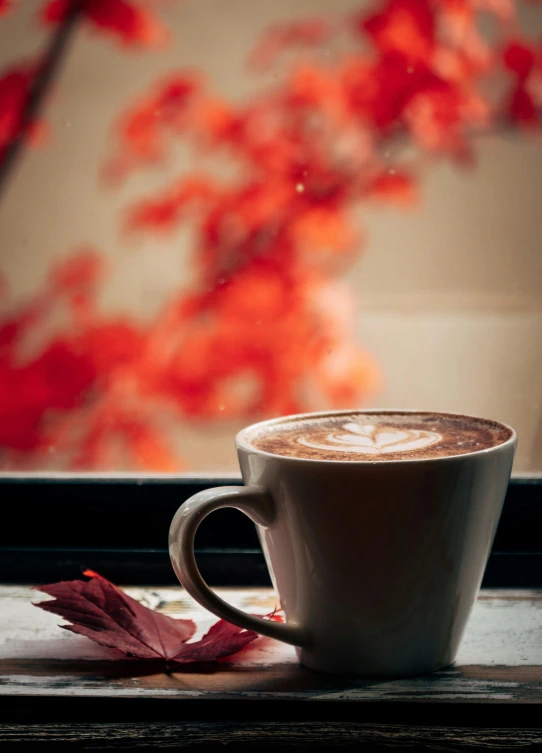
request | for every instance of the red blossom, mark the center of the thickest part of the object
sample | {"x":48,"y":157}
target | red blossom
{"x":520,"y":58}
{"x":524,"y":61}
{"x":150,"y":450}
{"x":394,"y":187}
{"x":267,"y":324}
{"x":56,"y":380}
{"x":308,"y":32}
{"x":142,"y":128}
{"x":522,"y":108}
{"x":165,"y":212}
{"x":129,"y":22}
{"x":439,"y":116}
{"x":405,"y":27}
{"x":83,"y":269}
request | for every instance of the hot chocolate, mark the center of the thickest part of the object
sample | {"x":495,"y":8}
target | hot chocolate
{"x":379,"y":436}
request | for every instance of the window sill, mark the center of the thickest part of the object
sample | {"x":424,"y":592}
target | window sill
{"x":51,"y":690}
{"x":118,"y":526}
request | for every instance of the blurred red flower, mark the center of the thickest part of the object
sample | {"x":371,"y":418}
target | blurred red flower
{"x":6,"y":5}
{"x":131,"y":23}
{"x":267,"y":325}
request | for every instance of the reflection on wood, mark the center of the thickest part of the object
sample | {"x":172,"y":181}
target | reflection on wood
{"x":61,"y":689}
{"x":498,"y":662}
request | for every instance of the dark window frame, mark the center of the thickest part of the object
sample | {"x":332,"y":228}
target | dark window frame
{"x":55,"y":526}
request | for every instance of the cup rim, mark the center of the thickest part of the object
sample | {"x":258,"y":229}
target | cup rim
{"x":242,"y":442}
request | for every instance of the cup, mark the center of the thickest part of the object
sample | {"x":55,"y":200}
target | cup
{"x":377,"y":564}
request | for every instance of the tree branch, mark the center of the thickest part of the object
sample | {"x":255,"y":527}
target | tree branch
{"x":39,"y":88}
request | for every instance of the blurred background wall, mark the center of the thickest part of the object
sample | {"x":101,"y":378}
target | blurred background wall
{"x":449,"y":293}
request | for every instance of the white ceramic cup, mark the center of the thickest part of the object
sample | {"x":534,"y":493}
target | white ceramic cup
{"x":377,"y":564}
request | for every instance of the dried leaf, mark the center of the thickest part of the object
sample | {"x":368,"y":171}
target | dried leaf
{"x":222,"y":639}
{"x":102,"y":612}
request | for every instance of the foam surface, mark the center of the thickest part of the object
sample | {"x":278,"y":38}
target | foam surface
{"x":380,"y":436}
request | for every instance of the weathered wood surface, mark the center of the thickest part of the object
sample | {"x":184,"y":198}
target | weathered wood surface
{"x":61,"y":691}
{"x":500,"y":660}
{"x":288,"y":736}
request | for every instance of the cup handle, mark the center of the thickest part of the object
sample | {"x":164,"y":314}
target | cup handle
{"x":258,"y":505}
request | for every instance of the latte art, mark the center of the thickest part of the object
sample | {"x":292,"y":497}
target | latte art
{"x":377,"y":437}
{"x":375,"y":440}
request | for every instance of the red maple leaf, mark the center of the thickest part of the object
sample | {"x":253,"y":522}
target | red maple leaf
{"x":222,"y":639}
{"x":102,"y":612}
{"x":129,"y":21}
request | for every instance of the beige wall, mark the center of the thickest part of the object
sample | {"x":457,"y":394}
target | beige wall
{"x":449,"y":294}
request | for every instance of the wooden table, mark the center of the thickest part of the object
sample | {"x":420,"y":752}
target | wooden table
{"x":62,"y":691}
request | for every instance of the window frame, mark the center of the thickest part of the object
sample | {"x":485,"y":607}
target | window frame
{"x":58,"y":525}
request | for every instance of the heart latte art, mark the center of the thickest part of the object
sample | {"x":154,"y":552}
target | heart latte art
{"x":378,"y":436}
{"x":374,"y":440}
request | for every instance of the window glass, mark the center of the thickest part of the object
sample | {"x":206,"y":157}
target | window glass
{"x":217,"y":212}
